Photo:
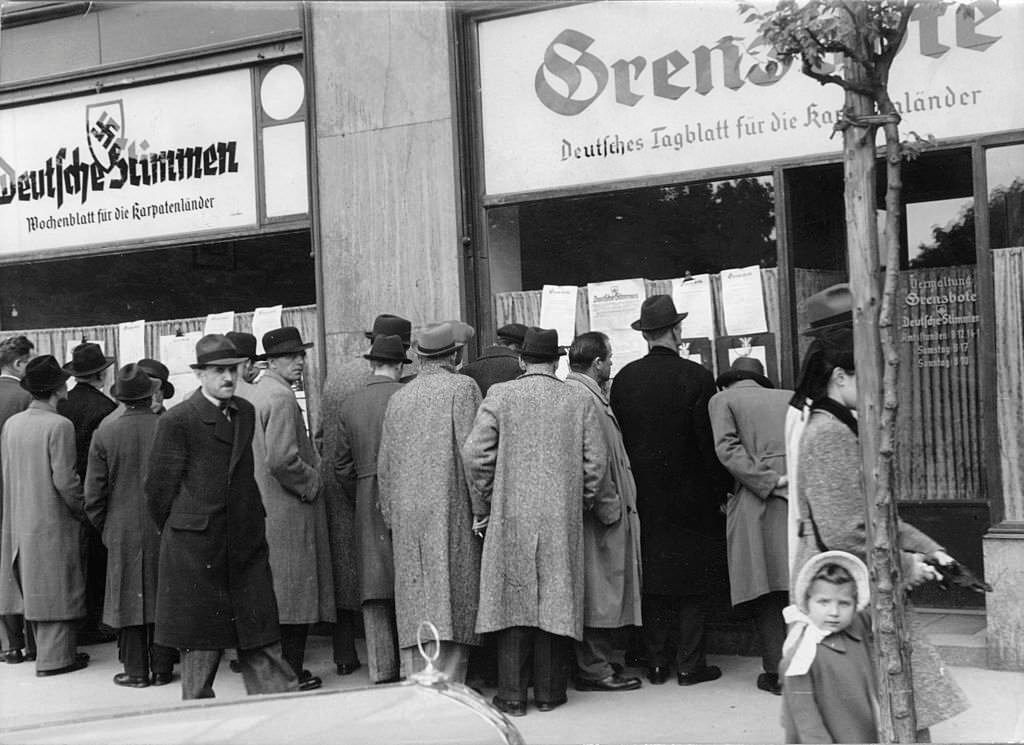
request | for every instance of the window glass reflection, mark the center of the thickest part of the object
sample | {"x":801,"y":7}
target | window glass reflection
{"x":1005,"y":171}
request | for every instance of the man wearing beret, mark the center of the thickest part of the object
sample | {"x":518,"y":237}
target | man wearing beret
{"x":44,"y":557}
{"x":87,"y":406}
{"x":215,"y":590}
{"x":288,"y":474}
{"x":661,"y":402}
{"x":498,"y":363}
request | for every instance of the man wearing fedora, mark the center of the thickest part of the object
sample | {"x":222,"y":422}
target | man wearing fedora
{"x":87,"y":406}
{"x":353,"y":458}
{"x":248,"y":371}
{"x":214,"y":588}
{"x":748,"y":418}
{"x":157,"y":371}
{"x":15,"y":354}
{"x":536,"y":459}
{"x":288,"y":475}
{"x":44,"y":558}
{"x":661,"y":402}
{"x":341,"y":381}
{"x":498,"y":363}
{"x":425,"y":501}
{"x":115,"y":503}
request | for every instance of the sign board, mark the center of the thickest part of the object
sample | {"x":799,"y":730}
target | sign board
{"x":617,"y":90}
{"x":132,"y":164}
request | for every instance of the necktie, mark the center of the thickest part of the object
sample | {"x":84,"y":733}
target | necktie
{"x":225,"y":409}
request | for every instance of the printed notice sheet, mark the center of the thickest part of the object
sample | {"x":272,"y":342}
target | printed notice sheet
{"x":131,"y":342}
{"x":178,"y":353}
{"x":743,"y":301}
{"x":558,"y":312}
{"x":692,"y":295}
{"x":613,"y":307}
{"x":264,"y":320}
{"x":219,"y":323}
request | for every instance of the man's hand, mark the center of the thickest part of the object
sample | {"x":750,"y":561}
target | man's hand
{"x":480,"y":526}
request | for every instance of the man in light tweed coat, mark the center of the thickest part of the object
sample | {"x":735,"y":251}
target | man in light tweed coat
{"x":536,"y":458}
{"x":424,"y":498}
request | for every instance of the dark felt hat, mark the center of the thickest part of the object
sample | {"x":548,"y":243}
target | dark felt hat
{"x":829,"y":309}
{"x":157,"y":369}
{"x":513,"y":332}
{"x":133,"y":383}
{"x":436,"y":341}
{"x":542,"y":343}
{"x":388,"y":349}
{"x":657,"y":312}
{"x":216,"y":349}
{"x":43,"y":374}
{"x":744,"y":368}
{"x":244,"y":343}
{"x":387,"y":324}
{"x":282,"y":341}
{"x":88,"y":359}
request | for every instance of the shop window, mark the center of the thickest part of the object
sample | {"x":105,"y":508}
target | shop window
{"x":938,"y":209}
{"x":656,"y":233}
{"x":1005,"y":169}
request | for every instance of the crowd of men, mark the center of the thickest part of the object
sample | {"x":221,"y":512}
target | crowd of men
{"x":549,"y":530}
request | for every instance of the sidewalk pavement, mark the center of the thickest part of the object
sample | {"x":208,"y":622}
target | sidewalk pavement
{"x":729,"y":710}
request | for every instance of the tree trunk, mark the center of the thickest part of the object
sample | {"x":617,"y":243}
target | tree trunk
{"x":896,"y":717}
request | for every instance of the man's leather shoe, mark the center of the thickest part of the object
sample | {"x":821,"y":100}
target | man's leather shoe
{"x":512,"y":708}
{"x":78,"y":664}
{"x":549,"y":705}
{"x":657,"y":674}
{"x":162,"y":679}
{"x":613,"y":682}
{"x":700,"y":675}
{"x":309,"y":682}
{"x":345,"y":668}
{"x":131,"y":681}
{"x":12,"y":656}
{"x":769,"y":682}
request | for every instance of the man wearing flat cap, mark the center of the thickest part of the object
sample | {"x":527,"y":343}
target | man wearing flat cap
{"x":288,"y":474}
{"x":87,"y":406}
{"x":341,"y":381}
{"x":536,"y":459}
{"x":214,"y":589}
{"x":354,"y":462}
{"x":661,"y":402}
{"x":43,"y":560}
{"x":748,"y":418}
{"x":498,"y":363}
{"x":115,"y":503}
{"x":425,"y":501}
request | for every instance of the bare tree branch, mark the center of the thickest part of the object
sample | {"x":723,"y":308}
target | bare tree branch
{"x":825,"y":79}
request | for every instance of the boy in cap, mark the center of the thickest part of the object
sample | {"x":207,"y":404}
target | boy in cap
{"x":829,"y":693}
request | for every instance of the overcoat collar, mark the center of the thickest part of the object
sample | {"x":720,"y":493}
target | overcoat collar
{"x":137,"y":411}
{"x":590,"y":384}
{"x":270,"y":375}
{"x":235,"y":433}
{"x":372,"y":379}
{"x":662,"y":352}
{"x":540,"y":375}
{"x":41,"y":405}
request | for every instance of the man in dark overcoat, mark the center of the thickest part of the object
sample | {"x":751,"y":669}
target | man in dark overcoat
{"x":357,"y":443}
{"x":115,"y":503}
{"x":341,"y":381}
{"x":498,"y":363}
{"x":661,"y":402}
{"x":87,"y":406}
{"x":535,"y":460}
{"x":15,"y":353}
{"x":44,"y":557}
{"x":214,"y":589}
{"x":748,"y":418}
